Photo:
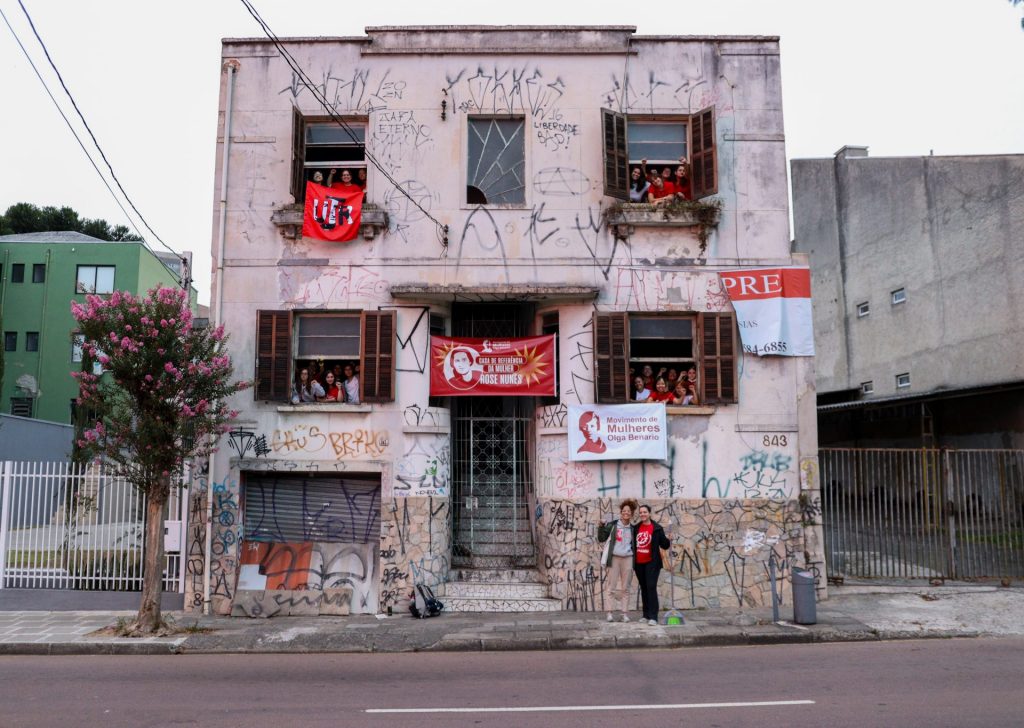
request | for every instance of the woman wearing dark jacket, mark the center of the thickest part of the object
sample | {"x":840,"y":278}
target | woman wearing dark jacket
{"x":648,"y":540}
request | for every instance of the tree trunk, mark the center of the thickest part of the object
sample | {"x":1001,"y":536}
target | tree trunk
{"x":149,"y":619}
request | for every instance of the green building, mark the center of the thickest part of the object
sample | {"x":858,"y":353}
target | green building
{"x":40,"y":275}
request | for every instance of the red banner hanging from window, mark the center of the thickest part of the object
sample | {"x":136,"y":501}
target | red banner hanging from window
{"x":332,"y":213}
{"x":486,"y":367}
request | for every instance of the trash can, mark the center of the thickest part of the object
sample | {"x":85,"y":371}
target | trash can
{"x":805,"y":609}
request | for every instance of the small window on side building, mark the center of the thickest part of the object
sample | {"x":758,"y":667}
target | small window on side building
{"x":31,"y":341}
{"x":10,"y":341}
{"x":21,"y":406}
{"x":17,"y":272}
{"x":867,"y":387}
{"x":863,"y":309}
{"x":39,"y":273}
{"x":95,"y":279}
{"x":903,"y":380}
{"x":899,"y":296}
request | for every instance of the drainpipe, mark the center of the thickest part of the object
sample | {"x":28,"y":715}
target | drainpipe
{"x":231,"y":67}
{"x":42,"y":330}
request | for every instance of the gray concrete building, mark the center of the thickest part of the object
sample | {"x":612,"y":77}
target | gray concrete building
{"x":918,"y":279}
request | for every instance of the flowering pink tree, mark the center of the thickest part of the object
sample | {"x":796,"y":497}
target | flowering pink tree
{"x":160,"y":400}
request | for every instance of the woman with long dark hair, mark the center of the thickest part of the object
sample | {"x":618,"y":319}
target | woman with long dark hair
{"x":648,"y":540}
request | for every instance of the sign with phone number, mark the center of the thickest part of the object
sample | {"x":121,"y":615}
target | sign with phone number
{"x":773,"y":310}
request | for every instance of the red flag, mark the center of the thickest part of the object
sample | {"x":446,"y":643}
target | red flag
{"x":522,"y":367}
{"x":332,"y":213}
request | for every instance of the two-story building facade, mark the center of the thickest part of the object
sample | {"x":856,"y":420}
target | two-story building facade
{"x":497,"y":166}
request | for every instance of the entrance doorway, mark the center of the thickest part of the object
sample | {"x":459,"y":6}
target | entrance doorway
{"x":491,"y":473}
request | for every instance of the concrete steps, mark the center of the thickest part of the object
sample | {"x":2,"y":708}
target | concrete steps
{"x":497,"y":590}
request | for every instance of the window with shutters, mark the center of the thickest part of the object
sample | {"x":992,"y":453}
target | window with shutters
{"x":664,"y":142}
{"x":323,"y":149}
{"x":698,"y":350}
{"x":308,"y":357}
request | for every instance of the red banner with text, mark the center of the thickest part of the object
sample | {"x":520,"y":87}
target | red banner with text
{"x":523,"y":367}
{"x":332,"y":213}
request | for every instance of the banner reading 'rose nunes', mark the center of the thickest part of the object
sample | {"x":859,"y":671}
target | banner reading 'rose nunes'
{"x":522,"y":367}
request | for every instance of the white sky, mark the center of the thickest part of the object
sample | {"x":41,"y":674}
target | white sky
{"x":903,"y":77}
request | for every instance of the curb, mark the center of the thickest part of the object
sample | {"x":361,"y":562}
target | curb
{"x":455,"y":643}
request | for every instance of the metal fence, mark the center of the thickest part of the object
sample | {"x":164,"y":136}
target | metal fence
{"x":68,"y":526}
{"x":924,"y":513}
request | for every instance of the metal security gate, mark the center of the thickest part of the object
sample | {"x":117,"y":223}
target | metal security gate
{"x":491,"y":450}
{"x":491,"y":478}
{"x":923,"y":513}
{"x":68,"y":526}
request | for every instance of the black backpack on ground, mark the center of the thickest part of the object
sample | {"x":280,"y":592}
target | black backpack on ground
{"x":424,"y":604}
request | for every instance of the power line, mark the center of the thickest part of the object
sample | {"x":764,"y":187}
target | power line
{"x":88,"y":129}
{"x":322,"y":99}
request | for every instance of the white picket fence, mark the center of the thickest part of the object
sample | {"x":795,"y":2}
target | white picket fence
{"x":67,"y":526}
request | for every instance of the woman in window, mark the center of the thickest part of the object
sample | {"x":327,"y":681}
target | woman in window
{"x":347,"y":185}
{"x":681,"y":181}
{"x":648,"y":375}
{"x":659,"y":193}
{"x":661,"y":392}
{"x":351,"y":384}
{"x":640,"y":391}
{"x":681,"y":394}
{"x":691,"y":378}
{"x":638,"y":186}
{"x":305,"y":389}
{"x":334,"y":392}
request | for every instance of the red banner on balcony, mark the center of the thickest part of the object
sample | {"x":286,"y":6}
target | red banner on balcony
{"x":486,"y":367}
{"x":332,"y":213}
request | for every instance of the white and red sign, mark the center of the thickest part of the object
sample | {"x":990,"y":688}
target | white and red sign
{"x":523,"y":367}
{"x":773,"y":310}
{"x":332,"y":213}
{"x":617,"y":432}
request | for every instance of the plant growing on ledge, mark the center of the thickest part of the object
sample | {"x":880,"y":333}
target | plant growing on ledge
{"x":161,"y":400}
{"x":704,"y":214}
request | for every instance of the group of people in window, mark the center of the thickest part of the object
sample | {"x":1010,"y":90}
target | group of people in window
{"x":670,"y":386}
{"x":319,"y":382}
{"x":660,"y":186}
{"x":347,"y":181}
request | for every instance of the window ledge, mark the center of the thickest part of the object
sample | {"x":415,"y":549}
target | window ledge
{"x":289,"y":220}
{"x":690,"y":410}
{"x":427,"y":430}
{"x":622,"y":218}
{"x":325,"y":407}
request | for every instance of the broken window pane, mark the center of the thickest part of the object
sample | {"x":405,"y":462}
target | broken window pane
{"x":497,"y":158}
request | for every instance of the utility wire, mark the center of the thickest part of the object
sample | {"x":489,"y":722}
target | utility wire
{"x":322,"y":99}
{"x":88,"y":129}
{"x":70,"y":127}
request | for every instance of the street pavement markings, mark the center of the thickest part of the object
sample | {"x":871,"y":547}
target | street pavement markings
{"x":564,"y":708}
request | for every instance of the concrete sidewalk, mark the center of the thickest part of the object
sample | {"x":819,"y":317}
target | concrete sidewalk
{"x":852,"y":613}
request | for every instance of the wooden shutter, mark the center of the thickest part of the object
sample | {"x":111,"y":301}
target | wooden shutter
{"x":549,"y":325}
{"x":377,"y":373}
{"x":703,"y":154}
{"x":298,"y":187}
{"x":718,"y":358}
{"x":273,"y":355}
{"x":616,"y":154}
{"x":611,"y":358}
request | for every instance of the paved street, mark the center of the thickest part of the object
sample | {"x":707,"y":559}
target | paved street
{"x":907,"y":683}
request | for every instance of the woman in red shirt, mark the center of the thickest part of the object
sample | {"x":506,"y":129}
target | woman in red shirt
{"x":660,"y":393}
{"x":648,"y":540}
